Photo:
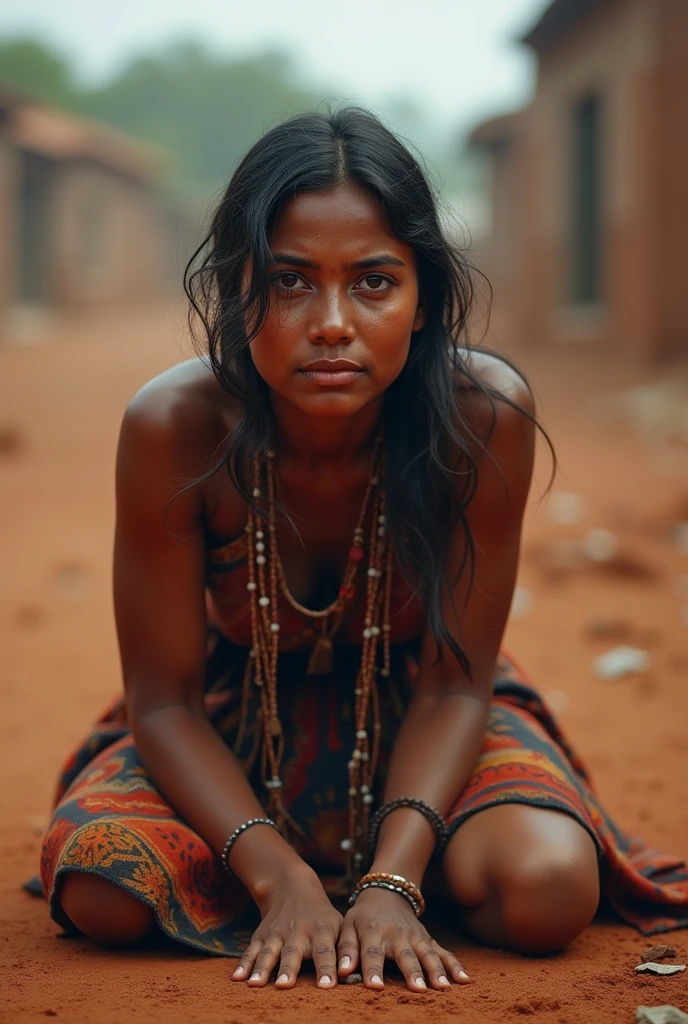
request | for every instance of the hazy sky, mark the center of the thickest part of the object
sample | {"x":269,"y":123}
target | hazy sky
{"x":458,"y":57}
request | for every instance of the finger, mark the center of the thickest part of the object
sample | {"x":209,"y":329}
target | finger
{"x":290,"y":964}
{"x":265,"y":961}
{"x":431,"y":962}
{"x":410,"y":967}
{"x":372,"y":961}
{"x":348,"y":950}
{"x":324,"y":955}
{"x":455,"y":969}
{"x":247,"y":960}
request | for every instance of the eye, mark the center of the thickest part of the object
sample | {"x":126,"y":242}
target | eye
{"x":376,"y":283}
{"x":288,"y":281}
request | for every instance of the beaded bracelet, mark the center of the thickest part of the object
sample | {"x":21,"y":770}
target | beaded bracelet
{"x":395,"y":882}
{"x":237,"y":832}
{"x":417,"y":909}
{"x":434,"y":817}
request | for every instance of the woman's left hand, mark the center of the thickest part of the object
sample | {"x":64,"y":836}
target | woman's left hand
{"x":382,"y":924}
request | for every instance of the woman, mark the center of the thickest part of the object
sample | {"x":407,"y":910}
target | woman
{"x":317,"y":539}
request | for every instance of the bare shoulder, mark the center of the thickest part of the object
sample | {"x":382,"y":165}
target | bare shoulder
{"x":171,"y":435}
{"x":498,"y":375}
{"x":182,"y":410}
{"x":500,"y":411}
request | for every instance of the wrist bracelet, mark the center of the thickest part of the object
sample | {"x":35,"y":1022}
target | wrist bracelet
{"x":434,"y":817}
{"x":237,"y":832}
{"x":417,"y":909}
{"x":395,"y":883}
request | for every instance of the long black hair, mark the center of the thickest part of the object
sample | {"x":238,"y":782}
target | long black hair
{"x":422,"y":419}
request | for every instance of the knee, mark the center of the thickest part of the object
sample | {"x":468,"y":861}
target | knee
{"x":104,"y":912}
{"x":549,"y":899}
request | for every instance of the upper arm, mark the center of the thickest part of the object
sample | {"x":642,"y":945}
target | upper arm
{"x":159,"y":565}
{"x":476,"y":616}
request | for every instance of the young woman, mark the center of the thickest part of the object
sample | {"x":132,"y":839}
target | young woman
{"x":317,"y":539}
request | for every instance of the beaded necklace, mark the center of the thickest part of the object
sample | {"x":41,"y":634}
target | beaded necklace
{"x":265,"y":583}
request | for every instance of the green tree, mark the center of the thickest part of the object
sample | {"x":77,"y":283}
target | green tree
{"x":37,"y":69}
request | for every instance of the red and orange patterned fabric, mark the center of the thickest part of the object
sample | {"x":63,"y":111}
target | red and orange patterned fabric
{"x":110,"y":819}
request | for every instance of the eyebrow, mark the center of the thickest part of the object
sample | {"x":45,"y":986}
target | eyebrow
{"x":385,"y":259}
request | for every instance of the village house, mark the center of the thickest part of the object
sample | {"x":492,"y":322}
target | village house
{"x":589,"y":184}
{"x":80,"y":224}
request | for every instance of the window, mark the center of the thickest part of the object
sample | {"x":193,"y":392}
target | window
{"x":586,"y":182}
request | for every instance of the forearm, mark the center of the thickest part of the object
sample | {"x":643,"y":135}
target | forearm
{"x":203,"y":781}
{"x":434,"y":756}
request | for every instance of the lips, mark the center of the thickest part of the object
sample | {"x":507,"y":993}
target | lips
{"x":331,"y":366}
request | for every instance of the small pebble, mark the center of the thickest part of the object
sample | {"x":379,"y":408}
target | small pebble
{"x":655,"y":953}
{"x":353,"y":979}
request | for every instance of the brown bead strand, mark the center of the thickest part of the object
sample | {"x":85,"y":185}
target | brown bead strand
{"x":266,"y":581}
{"x":362,"y":766}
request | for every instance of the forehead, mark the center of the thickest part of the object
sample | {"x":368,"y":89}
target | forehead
{"x":346,"y":217}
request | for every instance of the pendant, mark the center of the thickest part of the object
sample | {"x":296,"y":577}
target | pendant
{"x":321,"y":661}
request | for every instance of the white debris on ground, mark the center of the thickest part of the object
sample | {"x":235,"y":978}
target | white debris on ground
{"x":660,"y":968}
{"x":620,"y":661}
{"x":660,"y":1015}
{"x":658,"y":411}
{"x":521,"y":603}
{"x":599,"y":545}
{"x":680,"y":537}
{"x":565,"y":508}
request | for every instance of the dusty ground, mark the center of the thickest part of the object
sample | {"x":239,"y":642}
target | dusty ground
{"x":60,"y":405}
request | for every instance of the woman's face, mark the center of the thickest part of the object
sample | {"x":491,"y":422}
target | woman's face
{"x":344,"y":304}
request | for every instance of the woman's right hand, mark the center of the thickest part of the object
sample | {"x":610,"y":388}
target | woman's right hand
{"x":298,"y":922}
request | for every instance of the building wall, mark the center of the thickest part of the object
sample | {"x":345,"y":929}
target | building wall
{"x":670,"y":170}
{"x":612,"y":53}
{"x":107,"y":238}
{"x":7,"y":179}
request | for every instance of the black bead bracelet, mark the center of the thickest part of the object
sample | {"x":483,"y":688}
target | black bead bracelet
{"x":237,"y":832}
{"x":434,"y":817}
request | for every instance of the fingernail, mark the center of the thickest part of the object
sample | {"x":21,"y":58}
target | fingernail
{"x":344,"y":963}
{"x":375,"y":980}
{"x":239,"y":971}
{"x":420,"y":983}
{"x":464,"y":976}
{"x":255,"y":976}
{"x":442,"y":980}
{"x":282,"y":979}
{"x":324,"y":980}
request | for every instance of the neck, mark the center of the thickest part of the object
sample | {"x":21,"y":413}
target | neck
{"x":320,"y":442}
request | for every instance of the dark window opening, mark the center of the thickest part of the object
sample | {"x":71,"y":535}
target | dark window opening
{"x":586,"y":240}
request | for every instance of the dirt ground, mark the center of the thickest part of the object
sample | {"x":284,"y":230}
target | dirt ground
{"x":60,"y":406}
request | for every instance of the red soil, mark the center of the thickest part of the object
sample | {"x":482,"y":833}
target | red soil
{"x":60,"y":408}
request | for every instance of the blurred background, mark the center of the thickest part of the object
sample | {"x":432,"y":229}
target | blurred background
{"x":555,"y":132}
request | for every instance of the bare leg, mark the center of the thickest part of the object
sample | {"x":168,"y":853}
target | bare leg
{"x":103,"y":911}
{"x":525,"y":878}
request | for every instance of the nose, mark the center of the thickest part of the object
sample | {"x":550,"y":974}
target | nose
{"x":331,"y":322}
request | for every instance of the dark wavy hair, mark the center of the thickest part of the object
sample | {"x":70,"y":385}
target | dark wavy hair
{"x":423,"y":424}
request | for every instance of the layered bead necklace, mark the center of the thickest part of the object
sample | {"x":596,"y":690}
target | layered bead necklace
{"x":266,"y":582}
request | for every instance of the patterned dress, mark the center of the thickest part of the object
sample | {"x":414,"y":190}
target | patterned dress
{"x":109,"y":819}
